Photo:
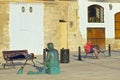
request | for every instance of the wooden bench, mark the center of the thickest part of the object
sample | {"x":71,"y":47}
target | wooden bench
{"x":12,"y":55}
{"x":99,"y":51}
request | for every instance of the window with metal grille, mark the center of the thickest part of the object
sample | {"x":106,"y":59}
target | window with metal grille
{"x":95,"y":14}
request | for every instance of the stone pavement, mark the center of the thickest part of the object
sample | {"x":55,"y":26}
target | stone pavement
{"x":89,"y":69}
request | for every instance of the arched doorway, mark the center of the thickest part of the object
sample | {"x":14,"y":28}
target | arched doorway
{"x":117,"y":25}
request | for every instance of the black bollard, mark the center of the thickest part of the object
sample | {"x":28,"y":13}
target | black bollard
{"x":109,"y":50}
{"x":79,"y":54}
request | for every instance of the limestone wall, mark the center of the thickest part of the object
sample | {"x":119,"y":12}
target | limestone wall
{"x":51,"y":24}
{"x":74,"y":36}
{"x":4,"y":29}
{"x":66,"y":11}
{"x":115,"y":44}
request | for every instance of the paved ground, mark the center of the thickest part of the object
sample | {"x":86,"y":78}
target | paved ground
{"x":89,"y":69}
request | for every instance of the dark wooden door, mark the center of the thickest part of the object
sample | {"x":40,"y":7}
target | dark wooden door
{"x":97,"y":36}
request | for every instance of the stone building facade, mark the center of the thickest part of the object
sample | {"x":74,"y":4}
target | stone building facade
{"x":56,"y":13}
{"x":61,"y":25}
{"x":4,"y":26}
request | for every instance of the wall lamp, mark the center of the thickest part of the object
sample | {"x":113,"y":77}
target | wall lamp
{"x":110,"y":6}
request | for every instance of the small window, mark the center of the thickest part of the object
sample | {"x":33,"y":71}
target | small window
{"x":30,"y":9}
{"x":95,"y":14}
{"x":23,"y":9}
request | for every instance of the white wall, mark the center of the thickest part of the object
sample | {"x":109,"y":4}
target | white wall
{"x":26,"y":29}
{"x":108,"y":17}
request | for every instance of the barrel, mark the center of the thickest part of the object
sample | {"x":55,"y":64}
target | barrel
{"x":64,"y":56}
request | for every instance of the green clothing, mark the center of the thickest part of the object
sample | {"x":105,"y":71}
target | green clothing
{"x":52,"y":58}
